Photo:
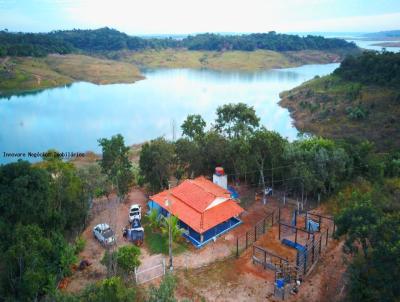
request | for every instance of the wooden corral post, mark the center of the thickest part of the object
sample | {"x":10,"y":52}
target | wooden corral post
{"x":313,"y":248}
{"x":305,"y":260}
{"x":295,"y":217}
{"x":320,"y":243}
{"x":265,"y":259}
{"x":272,"y":218}
{"x":279,"y":230}
{"x":295,"y":237}
{"x":305,"y":220}
{"x":279,"y":214}
{"x":327,"y":235}
{"x":319,"y":224}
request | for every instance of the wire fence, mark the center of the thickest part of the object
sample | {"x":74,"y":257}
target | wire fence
{"x":246,"y":240}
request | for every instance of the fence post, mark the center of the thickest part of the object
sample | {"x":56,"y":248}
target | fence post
{"x":279,"y":214}
{"x":163,"y":263}
{"x":247,"y":233}
{"x":320,"y":243}
{"x":272,"y":220}
{"x":237,"y":246}
{"x":295,"y":237}
{"x":305,"y":220}
{"x":313,"y":248}
{"x":279,"y":227}
{"x":255,"y":233}
{"x":319,"y":224}
{"x":135,"y":276}
{"x":327,"y":235}
{"x":265,"y":259}
{"x":264,"y":225}
{"x":305,"y":260}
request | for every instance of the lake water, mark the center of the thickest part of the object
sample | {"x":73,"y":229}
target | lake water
{"x":370,"y":44}
{"x":71,"y":119}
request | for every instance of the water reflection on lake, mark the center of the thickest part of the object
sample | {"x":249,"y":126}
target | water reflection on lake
{"x":73,"y":118}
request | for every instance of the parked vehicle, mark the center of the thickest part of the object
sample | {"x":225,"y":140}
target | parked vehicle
{"x":135,"y":212}
{"x":103,"y":233}
{"x":134,"y":232}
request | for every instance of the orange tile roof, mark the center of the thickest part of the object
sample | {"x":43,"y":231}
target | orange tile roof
{"x":190,"y":199}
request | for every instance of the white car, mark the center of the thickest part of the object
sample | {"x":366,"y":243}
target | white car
{"x":135,"y":212}
{"x":103,"y":233}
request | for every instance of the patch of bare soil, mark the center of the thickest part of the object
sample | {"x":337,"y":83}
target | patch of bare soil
{"x":222,"y":281}
{"x":116,"y":215}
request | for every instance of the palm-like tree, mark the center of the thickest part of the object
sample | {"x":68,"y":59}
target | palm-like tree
{"x":176,"y":231}
{"x":154,"y":219}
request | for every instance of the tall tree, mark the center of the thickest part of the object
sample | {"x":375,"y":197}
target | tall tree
{"x":236,"y":120}
{"x":189,"y":156}
{"x":193,"y":127}
{"x":266,"y":148}
{"x":116,"y":165}
{"x":156,"y":160}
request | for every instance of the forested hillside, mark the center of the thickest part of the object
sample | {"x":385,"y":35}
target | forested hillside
{"x":359,"y":100}
{"x":106,"y":39}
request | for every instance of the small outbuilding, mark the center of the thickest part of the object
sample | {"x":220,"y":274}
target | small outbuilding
{"x":204,"y":209}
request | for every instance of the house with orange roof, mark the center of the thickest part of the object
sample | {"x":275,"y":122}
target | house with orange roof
{"x":204,"y":208}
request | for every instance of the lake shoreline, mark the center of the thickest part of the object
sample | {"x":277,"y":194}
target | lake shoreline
{"x":73,"y":118}
{"x":22,"y":75}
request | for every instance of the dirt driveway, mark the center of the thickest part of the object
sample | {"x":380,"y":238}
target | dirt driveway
{"x":116,"y":215}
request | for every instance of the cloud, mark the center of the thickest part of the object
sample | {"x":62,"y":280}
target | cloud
{"x":183,"y":16}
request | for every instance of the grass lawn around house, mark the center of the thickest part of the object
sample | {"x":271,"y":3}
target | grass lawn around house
{"x":158,"y":244}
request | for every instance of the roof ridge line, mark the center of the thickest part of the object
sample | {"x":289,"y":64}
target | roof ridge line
{"x":190,"y":206}
{"x":192,"y":181}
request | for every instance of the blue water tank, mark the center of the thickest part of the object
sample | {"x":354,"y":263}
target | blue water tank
{"x":280,"y":283}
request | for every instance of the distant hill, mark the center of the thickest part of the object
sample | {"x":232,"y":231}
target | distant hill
{"x":106,"y":39}
{"x":360,"y":100}
{"x":384,"y":34}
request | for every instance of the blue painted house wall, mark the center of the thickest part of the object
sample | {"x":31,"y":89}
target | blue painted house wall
{"x":197,"y":239}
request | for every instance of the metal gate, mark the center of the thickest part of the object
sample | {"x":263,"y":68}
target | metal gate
{"x":150,"y":271}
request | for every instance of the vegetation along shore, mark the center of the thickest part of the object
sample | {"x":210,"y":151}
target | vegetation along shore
{"x":358,"y":101}
{"x":103,"y":56}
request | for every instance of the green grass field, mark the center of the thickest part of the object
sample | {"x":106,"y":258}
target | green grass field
{"x":228,"y":60}
{"x":27,"y":74}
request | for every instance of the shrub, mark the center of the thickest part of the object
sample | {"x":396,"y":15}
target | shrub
{"x":79,"y":245}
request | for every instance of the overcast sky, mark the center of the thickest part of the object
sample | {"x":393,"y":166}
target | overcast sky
{"x":189,"y":16}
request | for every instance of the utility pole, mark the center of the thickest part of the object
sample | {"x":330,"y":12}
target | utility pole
{"x":168,"y":204}
{"x":173,"y":129}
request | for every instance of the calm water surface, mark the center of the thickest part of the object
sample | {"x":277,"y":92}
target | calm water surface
{"x":71,"y":119}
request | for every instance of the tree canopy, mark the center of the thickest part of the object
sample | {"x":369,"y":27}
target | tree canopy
{"x":372,"y":67}
{"x":39,"y":205}
{"x":107,"y":39}
{"x":115,"y":163}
